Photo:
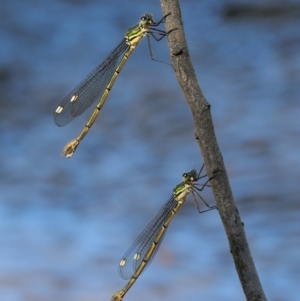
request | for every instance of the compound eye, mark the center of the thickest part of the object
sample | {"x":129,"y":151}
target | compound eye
{"x":185,"y":175}
{"x":143,"y":18}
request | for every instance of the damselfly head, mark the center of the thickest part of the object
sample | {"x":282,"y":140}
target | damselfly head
{"x":190,"y":176}
{"x":146,"y":20}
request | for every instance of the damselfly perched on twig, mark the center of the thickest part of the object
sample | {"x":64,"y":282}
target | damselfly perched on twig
{"x":100,"y":81}
{"x":146,"y":245}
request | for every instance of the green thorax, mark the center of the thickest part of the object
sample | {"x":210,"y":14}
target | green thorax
{"x":184,"y":188}
{"x":134,"y":34}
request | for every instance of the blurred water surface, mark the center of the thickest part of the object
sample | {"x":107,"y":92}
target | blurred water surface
{"x":65,"y":224}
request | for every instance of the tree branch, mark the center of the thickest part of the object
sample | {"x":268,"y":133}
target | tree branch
{"x":212,"y":156}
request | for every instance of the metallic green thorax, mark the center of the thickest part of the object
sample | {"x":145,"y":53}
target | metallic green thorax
{"x":182,"y":189}
{"x":137,"y":32}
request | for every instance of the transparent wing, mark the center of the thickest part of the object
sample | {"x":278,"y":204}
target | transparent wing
{"x":90,"y":89}
{"x":138,"y":250}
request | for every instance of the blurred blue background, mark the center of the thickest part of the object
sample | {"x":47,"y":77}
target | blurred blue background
{"x":65,"y":223}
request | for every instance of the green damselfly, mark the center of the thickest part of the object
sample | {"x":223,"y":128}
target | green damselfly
{"x":99,"y":82}
{"x":146,"y":245}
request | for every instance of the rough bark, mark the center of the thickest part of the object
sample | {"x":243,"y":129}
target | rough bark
{"x":205,"y":135}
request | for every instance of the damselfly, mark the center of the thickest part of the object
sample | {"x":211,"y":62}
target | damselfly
{"x":99,"y":82}
{"x":146,"y":245}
